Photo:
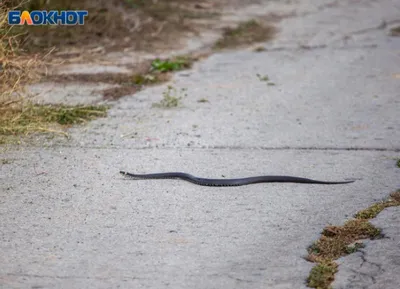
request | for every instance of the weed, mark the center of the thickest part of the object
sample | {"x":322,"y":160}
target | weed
{"x":171,"y":97}
{"x":398,"y":163}
{"x":143,"y":79}
{"x":5,"y":161}
{"x":262,"y":78}
{"x":375,"y":209}
{"x":176,"y":64}
{"x":260,"y":49}
{"x":265,"y":78}
{"x":337,"y":241}
{"x":322,"y":275}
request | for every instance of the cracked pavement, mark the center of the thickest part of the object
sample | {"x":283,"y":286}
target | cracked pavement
{"x":69,"y":220}
{"x":374,"y":267}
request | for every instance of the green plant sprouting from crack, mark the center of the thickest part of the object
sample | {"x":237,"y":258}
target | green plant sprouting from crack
{"x":171,"y":97}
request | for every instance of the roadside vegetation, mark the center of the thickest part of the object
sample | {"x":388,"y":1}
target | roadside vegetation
{"x":21,"y":63}
{"x":27,"y":51}
{"x":18,"y":116}
{"x":167,"y":65}
{"x":338,"y":241}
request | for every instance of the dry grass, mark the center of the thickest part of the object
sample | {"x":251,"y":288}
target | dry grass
{"x":28,"y":118}
{"x":158,"y":19}
{"x":115,"y":24}
{"x":396,"y":196}
{"x":337,"y":241}
{"x":16,"y":69}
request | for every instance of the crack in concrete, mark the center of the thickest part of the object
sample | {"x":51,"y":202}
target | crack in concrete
{"x":70,"y":277}
{"x":311,"y":148}
{"x":381,"y":26}
{"x":239,"y":279}
{"x":364,"y":275}
{"x":364,"y":260}
{"x":302,"y":47}
{"x":217,"y":147}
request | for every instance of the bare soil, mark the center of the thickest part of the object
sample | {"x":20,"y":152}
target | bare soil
{"x":118,"y":24}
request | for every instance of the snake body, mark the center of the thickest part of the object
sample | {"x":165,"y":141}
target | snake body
{"x":230,"y":182}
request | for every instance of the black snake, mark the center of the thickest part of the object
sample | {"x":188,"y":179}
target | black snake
{"x":230,"y":182}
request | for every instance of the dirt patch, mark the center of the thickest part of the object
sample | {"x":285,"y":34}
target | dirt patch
{"x":112,"y":78}
{"x":139,"y":81}
{"x":145,"y":74}
{"x":117,"y":24}
{"x":115,"y":93}
{"x":395,"y":31}
{"x":245,"y":33}
{"x":337,"y":241}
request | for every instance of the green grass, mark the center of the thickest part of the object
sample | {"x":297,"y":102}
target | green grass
{"x":176,"y":64}
{"x":262,"y":77}
{"x":322,"y":275}
{"x":373,"y":210}
{"x":265,"y":78}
